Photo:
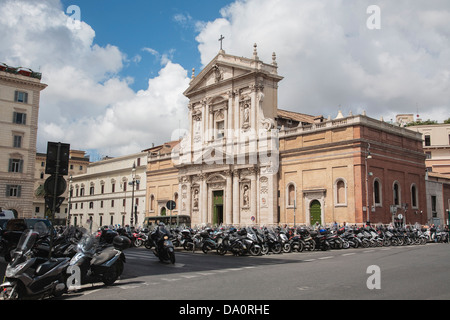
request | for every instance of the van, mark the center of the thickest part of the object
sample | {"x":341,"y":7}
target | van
{"x":7,"y":214}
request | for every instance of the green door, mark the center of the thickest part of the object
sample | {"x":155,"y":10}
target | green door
{"x":315,"y":212}
{"x":218,"y":207}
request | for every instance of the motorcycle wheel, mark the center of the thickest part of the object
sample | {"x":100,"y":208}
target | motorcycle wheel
{"x":300,"y":246}
{"x":147,"y":245}
{"x":205,"y":248}
{"x":264,"y":249}
{"x":276,"y":248}
{"x":346,"y":244}
{"x":287,"y":248}
{"x":365,"y":243}
{"x":13,"y":292}
{"x":137,"y":242}
{"x":188,"y":246}
{"x":171,"y":255}
{"x":255,"y":251}
{"x":113,"y":273}
{"x":311,"y":245}
{"x":221,"y":250}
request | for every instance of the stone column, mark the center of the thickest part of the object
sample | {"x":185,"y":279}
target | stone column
{"x":236,"y":200}
{"x":253,"y":200}
{"x":204,"y":197}
{"x":189,"y":197}
{"x":228,"y":199}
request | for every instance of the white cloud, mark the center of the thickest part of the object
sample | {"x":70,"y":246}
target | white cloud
{"x":329,"y":57}
{"x":86,"y":103}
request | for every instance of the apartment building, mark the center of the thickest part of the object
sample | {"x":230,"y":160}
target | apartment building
{"x":20,"y":90}
{"x":109,"y":192}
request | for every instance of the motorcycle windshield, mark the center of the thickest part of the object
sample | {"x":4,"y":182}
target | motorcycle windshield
{"x":87,"y":243}
{"x":27,"y":240}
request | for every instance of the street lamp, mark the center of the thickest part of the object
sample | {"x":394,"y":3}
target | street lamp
{"x":367,"y":157}
{"x":133,"y":177}
{"x":70,"y":200}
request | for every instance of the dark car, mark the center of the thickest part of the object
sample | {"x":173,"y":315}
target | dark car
{"x":12,"y":232}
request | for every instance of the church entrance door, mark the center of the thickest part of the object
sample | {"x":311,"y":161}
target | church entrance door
{"x":217,"y":207}
{"x":315,"y":212}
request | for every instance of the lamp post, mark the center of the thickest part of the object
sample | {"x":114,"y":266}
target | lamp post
{"x":70,"y":201}
{"x":133,"y":177}
{"x":368,"y":156}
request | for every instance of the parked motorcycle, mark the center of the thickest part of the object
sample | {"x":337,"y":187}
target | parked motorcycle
{"x":31,"y":274}
{"x":164,"y":249}
{"x":98,"y":259}
{"x":208,"y":240}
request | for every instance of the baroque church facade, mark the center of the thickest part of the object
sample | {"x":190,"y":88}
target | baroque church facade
{"x":245,"y":161}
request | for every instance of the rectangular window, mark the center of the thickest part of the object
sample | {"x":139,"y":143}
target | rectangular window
{"x":15,"y":165}
{"x":427,"y":141}
{"x":19,"y":118}
{"x":21,"y":97}
{"x":17,"y":141}
{"x":220,"y":132}
{"x":433,"y":206}
{"x":13,"y":191}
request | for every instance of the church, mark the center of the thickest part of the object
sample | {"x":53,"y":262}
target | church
{"x":245,"y":161}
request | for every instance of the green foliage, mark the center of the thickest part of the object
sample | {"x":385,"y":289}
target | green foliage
{"x":421,"y":123}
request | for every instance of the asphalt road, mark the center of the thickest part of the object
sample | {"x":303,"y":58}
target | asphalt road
{"x":403,"y":273}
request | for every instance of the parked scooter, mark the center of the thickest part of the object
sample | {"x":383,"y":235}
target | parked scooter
{"x":98,"y":260}
{"x":31,"y":274}
{"x":164,"y":249}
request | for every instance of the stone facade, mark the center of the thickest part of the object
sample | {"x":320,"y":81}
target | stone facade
{"x":104,"y":194}
{"x":245,"y":161}
{"x":19,"y":111}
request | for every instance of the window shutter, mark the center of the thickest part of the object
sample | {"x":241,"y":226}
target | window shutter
{"x":24,"y":118}
{"x":21,"y":166}
{"x":16,"y":96}
{"x":10,"y":165}
{"x":25,"y":97}
{"x":19,"y":191}
{"x":8,"y":189}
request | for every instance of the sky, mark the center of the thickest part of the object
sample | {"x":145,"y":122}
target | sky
{"x":116,"y":70}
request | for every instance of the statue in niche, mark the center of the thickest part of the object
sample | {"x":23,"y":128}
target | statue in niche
{"x":195,"y":206}
{"x":246,"y":113}
{"x":245,"y":198}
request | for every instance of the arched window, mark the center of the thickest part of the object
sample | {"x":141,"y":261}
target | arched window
{"x":396,"y":193}
{"x":290,"y":190}
{"x":414,"y":196}
{"x":175,"y":198}
{"x":152,"y":203}
{"x":340,"y":192}
{"x":377,"y":199}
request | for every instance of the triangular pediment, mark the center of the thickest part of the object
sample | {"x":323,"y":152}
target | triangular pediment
{"x":224,"y":68}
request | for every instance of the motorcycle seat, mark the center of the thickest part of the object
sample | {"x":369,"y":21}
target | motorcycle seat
{"x":47,"y":266}
{"x":102,"y":257}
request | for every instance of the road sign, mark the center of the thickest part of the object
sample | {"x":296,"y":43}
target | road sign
{"x":171,"y":204}
{"x":49,"y":185}
{"x":57,"y":161}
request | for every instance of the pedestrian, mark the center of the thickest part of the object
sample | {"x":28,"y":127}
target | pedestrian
{"x":433,"y":233}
